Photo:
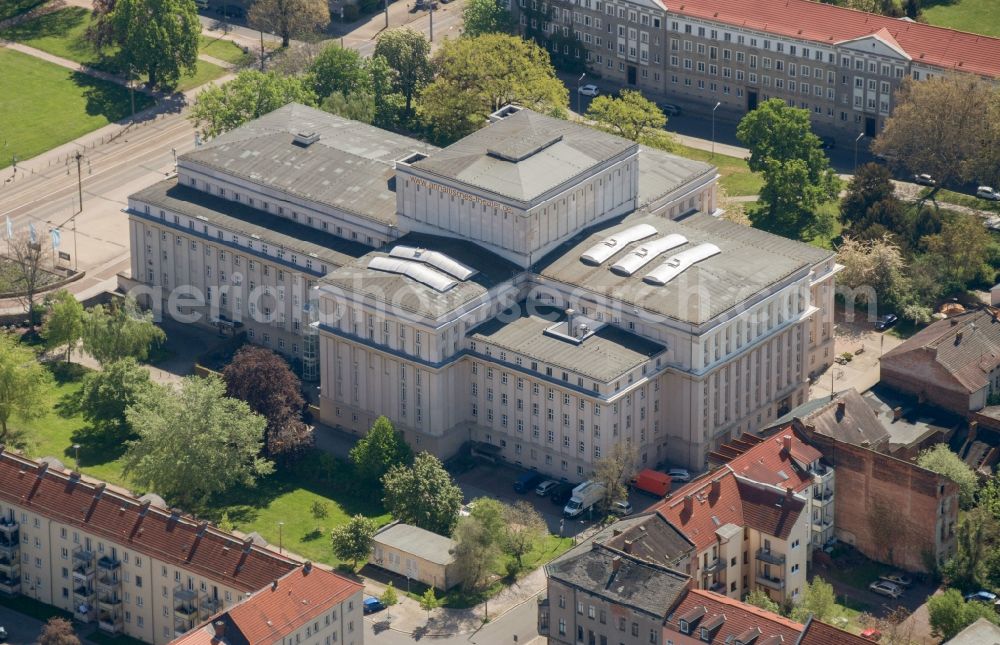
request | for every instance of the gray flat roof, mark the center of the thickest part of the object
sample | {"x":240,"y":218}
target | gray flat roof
{"x":350,"y":167}
{"x":246,"y":221}
{"x":661,"y":173}
{"x":750,"y":261}
{"x":603,"y":356}
{"x":417,"y":541}
{"x":524,"y":155}
{"x":917,"y":421}
{"x":408,"y":294}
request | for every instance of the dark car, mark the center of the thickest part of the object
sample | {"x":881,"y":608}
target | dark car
{"x":3,"y":634}
{"x":670,"y":109}
{"x":885,"y":322}
{"x":561,"y":494}
{"x":527,"y":481}
{"x":372,"y":605}
{"x":827,"y":143}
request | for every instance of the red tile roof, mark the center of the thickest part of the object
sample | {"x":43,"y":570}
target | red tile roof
{"x":278,"y":610}
{"x":737,"y":618}
{"x":819,"y":633}
{"x":124,"y":519}
{"x":829,"y":24}
{"x":769,"y":462}
{"x":701,"y":507}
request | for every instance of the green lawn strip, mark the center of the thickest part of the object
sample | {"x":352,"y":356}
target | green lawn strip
{"x":62,"y":33}
{"x":946,"y":196}
{"x":43,"y":105}
{"x":737,"y":179}
{"x":11,"y":8}
{"x":31,"y":607}
{"x":206,"y":72}
{"x":976,"y":16}
{"x":222,"y":49}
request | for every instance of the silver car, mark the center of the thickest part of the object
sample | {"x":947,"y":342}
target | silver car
{"x":885,"y":588}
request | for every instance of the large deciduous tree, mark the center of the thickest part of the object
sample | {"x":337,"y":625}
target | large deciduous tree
{"x":476,"y":552}
{"x":338,"y":70}
{"x":423,"y":495}
{"x":407,"y":53}
{"x":119,"y":331}
{"x":870,"y":206}
{"x":58,"y":631}
{"x":157,"y":37}
{"x":633,"y":116}
{"x":23,"y":382}
{"x":960,"y":252}
{"x":873,"y":270}
{"x":352,"y":542}
{"x":613,"y":471}
{"x":63,"y":325}
{"x":289,"y":18}
{"x":797,"y":175}
{"x":263,"y":379}
{"x":485,"y":17}
{"x":105,"y":395}
{"x":946,"y":126}
{"x":523,"y":528}
{"x":30,"y":259}
{"x":477,"y":76}
{"x":950,"y":614}
{"x":194,"y":442}
{"x":250,"y":95}
{"x":943,"y":461}
{"x":378,"y":451}
{"x":818,"y":600}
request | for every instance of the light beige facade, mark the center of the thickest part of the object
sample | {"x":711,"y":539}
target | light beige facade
{"x":417,"y":554}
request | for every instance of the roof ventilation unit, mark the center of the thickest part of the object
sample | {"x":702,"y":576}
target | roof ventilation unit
{"x":679,"y":263}
{"x":435,"y":259}
{"x":603,"y":250}
{"x":306,"y":139}
{"x":413,"y":270}
{"x":643,"y":255}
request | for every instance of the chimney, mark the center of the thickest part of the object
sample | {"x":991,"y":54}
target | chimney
{"x":628,"y":546}
{"x":616,"y":563}
{"x":973,"y":431}
{"x":688,"y":503}
{"x":274,"y":585}
{"x":716,"y":487}
{"x":570,"y":322}
{"x":841,"y":408}
{"x":897,"y":413}
{"x":220,"y":629}
{"x":789,"y":492}
{"x":958,"y":338}
{"x":786,"y":443}
{"x":953,"y":322}
{"x":582,"y":330}
{"x":307,"y":568}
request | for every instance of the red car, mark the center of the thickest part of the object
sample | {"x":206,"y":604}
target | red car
{"x":872,"y":634}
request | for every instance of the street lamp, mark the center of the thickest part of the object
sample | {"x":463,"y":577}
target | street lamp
{"x":281,"y":546}
{"x":578,"y":85}
{"x":713,"y":126}
{"x":76,"y":450}
{"x":860,"y":137}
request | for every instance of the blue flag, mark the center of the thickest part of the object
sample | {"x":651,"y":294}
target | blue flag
{"x":56,"y":238}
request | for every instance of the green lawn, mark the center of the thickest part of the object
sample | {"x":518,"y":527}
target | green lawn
{"x":206,"y":72}
{"x":736,"y":176}
{"x":43,"y":105}
{"x":946,"y":196}
{"x":977,"y":16}
{"x":223,"y":49}
{"x":11,"y":8}
{"x":832,"y":209}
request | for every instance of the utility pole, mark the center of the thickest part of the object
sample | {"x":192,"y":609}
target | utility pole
{"x":431,"y":11}
{"x":385,"y":4}
{"x":262,"y":50}
{"x":79,"y":178}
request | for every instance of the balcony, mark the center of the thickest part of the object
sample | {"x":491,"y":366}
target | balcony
{"x":209,"y":606}
{"x":108,"y":600}
{"x":718,"y":587}
{"x":771,"y":582}
{"x":715,"y":566}
{"x":771,"y":557}
{"x":10,"y":585}
{"x":110,"y":621}
{"x":10,"y":566}
{"x":83,"y":565}
{"x":108,"y":564}
{"x":824,"y":497}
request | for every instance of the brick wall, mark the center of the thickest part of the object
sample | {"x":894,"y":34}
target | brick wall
{"x":917,"y":373}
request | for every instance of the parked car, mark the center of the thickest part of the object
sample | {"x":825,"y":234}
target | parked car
{"x":827,"y":143}
{"x":201,"y":4}
{"x":872,"y":634}
{"x":588,"y":90}
{"x":985,"y":192}
{"x":3,"y":634}
{"x":924,"y":180}
{"x":670,"y":109}
{"x":527,"y":482}
{"x":885,"y":322}
{"x":465,"y":510}
{"x":897,"y":579}
{"x":621,"y":508}
{"x":884,"y":588}
{"x":372,"y":604}
{"x":679,"y":474}
{"x":546,"y":487}
{"x":231,"y":11}
{"x":561,"y":494}
{"x":982,"y":596}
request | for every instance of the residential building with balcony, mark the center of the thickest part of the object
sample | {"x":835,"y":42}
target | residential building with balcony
{"x":128,"y":565}
{"x":843,"y":66}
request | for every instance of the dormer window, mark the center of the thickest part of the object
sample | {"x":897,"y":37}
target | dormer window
{"x":683,"y":626}
{"x":706,"y":635}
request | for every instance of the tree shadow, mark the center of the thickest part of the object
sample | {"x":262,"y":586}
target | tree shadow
{"x":313,"y":535}
{"x":50,"y":25}
{"x":107,"y":99}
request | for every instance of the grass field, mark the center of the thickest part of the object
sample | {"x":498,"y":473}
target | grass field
{"x":43,"y":105}
{"x":977,"y":16}
{"x":736,"y":178}
{"x":946,"y":196}
{"x":206,"y":72}
{"x":225,"y":50}
{"x":11,"y":8}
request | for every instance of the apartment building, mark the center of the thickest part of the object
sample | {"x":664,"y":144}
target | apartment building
{"x":706,"y":617}
{"x":842,"y":65}
{"x":748,"y":535}
{"x":130,"y":565}
{"x":539,"y":286}
{"x":306,"y":605}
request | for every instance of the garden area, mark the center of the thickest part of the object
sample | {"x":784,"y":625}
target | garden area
{"x":975,"y":16}
{"x":736,"y":177}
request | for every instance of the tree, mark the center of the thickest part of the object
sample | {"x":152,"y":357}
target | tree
{"x":477,"y":76}
{"x":194,"y":442}
{"x":389,"y":598}
{"x":758,"y":598}
{"x":64,"y":322}
{"x":941,"y":126}
{"x":407,"y":53}
{"x":975,"y":542}
{"x":524,"y":527}
{"x":23,"y":384}
{"x":942,"y":460}
{"x":263,"y":379}
{"x":950,"y":614}
{"x":320,"y":510}
{"x":119,"y":331}
{"x":476,"y":554}
{"x":613,"y":471}
{"x":225,"y":524}
{"x":289,"y":18}
{"x":797,"y":175}
{"x":870,"y":185}
{"x":423,"y":495}
{"x":492,"y":514}
{"x":250,"y":95}
{"x":873,"y":268}
{"x":58,"y":631}
{"x":359,"y":106}
{"x":353,"y":541}
{"x":377,"y":452}
{"x":105,"y":395}
{"x":912,"y":9}
{"x":895,"y":627}
{"x":632,"y":116}
{"x":101,"y":31}
{"x":158,"y":37}
{"x":818,"y":600}
{"x":338,"y":70}
{"x":28,"y":257}
{"x":429,"y":601}
{"x":960,"y":252}
{"x":485,"y":17}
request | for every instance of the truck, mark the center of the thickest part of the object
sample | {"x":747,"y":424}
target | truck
{"x":653,"y":482}
{"x":584,"y":496}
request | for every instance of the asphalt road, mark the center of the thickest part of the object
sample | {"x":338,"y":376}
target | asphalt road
{"x":21,"y":629}
{"x":521,"y":621}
